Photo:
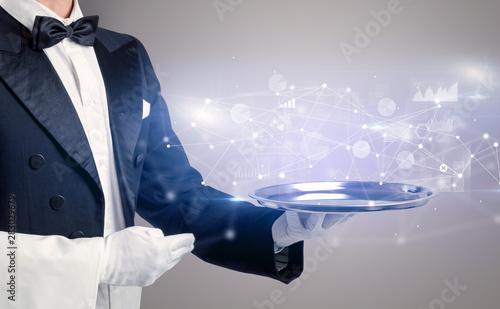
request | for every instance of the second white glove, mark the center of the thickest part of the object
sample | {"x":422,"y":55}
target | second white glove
{"x":137,"y":256}
{"x":292,"y":227}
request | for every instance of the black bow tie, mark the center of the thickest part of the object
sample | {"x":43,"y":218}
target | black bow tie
{"x":48,"y":31}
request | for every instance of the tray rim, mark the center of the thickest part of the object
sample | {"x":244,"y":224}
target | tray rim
{"x":295,"y":205}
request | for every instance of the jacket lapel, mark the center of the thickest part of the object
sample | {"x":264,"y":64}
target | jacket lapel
{"x":120,"y":67}
{"x":32,"y":78}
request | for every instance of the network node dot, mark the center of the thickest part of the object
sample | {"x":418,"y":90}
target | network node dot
{"x":377,"y":155}
{"x":347,"y":177}
{"x":260,"y":176}
{"x":365,"y":127}
{"x":420,"y":146}
{"x":310,"y":166}
{"x":381,"y":183}
{"x":460,"y":176}
{"x":232,"y":141}
{"x":282,"y":176}
{"x":193,"y":124}
{"x":324,"y":85}
{"x":202,"y":183}
{"x":486,"y":136}
{"x":457,"y":137}
{"x":211,"y":147}
{"x":496,"y":145}
{"x":168,"y":146}
{"x":472,"y":156}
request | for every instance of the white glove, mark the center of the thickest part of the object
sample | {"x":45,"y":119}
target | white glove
{"x":292,"y":227}
{"x":137,"y":256}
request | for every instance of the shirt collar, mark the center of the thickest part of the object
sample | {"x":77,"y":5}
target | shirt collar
{"x":25,"y":11}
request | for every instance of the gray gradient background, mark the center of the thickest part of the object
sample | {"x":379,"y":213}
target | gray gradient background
{"x":193,"y":50}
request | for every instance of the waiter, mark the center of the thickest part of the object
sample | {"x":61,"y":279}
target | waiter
{"x":86,"y":142}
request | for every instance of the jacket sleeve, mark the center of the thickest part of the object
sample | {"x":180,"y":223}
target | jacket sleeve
{"x":41,"y":272}
{"x":229,"y":233}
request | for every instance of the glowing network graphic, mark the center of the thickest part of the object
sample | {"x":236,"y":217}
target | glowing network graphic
{"x":324,"y":133}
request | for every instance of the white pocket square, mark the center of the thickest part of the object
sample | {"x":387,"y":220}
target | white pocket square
{"x":146,"y":108}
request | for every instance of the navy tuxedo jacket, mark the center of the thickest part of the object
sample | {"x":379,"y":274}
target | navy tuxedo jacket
{"x":47,"y":167}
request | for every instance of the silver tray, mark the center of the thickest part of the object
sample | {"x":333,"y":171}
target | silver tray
{"x":343,"y":197}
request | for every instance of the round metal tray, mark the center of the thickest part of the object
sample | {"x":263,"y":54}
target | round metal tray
{"x":343,"y":197}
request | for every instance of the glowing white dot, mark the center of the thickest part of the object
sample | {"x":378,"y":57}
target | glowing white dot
{"x":193,"y":124}
{"x":255,"y":135}
{"x":348,"y":148}
{"x":292,"y":87}
{"x":235,"y":183}
{"x":302,"y":130}
{"x":382,"y":174}
{"x":439,"y":106}
{"x":277,"y":94}
{"x":377,"y":155}
{"x":310,"y":166}
{"x":324,"y":85}
{"x":260,"y":176}
{"x":202,"y":183}
{"x":395,"y":234}
{"x":348,"y":90}
{"x":460,"y":176}
{"x":355,"y":111}
{"x":365,"y":127}
{"x":381,"y":183}
{"x":384,"y":135}
{"x":430,"y":139}
{"x":166,"y":139}
{"x":232,"y":141}
{"x":211,"y":147}
{"x":486,"y":136}
{"x":230,"y":234}
{"x":418,"y":225}
{"x":411,"y":126}
{"x":495,"y":144}
{"x":420,"y":146}
{"x":437,"y":101}
{"x":347,"y":177}
{"x":457,"y":137}
{"x":208,"y":101}
{"x":454,"y":185}
{"x":282,"y":176}
{"x":371,"y":203}
{"x":250,"y":119}
{"x":472,"y":156}
{"x":168,"y":146}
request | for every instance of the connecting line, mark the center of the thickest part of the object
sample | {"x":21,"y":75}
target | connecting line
{"x":314,"y":106}
{"x":223,"y":154}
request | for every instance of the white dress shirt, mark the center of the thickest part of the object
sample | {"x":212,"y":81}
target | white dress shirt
{"x":79,"y":71}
